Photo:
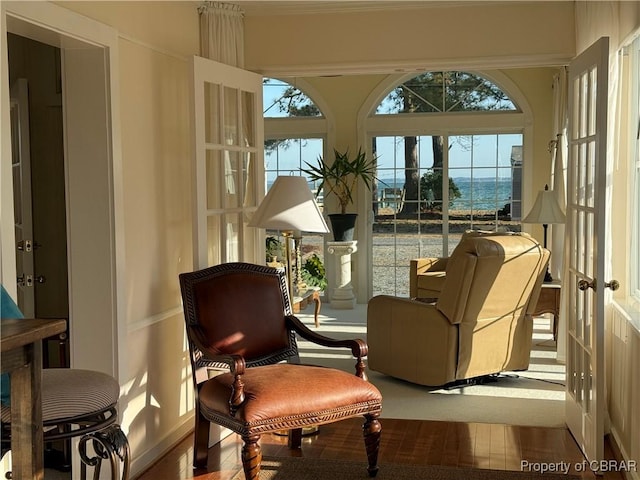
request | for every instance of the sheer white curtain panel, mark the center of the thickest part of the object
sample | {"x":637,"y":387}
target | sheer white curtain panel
{"x":560,"y":88}
{"x":222,"y":33}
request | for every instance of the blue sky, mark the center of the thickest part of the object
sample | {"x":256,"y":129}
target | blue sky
{"x":490,"y":155}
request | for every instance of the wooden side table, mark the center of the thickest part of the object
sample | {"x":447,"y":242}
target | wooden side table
{"x":21,"y":352}
{"x":300,"y":302}
{"x":549,"y":302}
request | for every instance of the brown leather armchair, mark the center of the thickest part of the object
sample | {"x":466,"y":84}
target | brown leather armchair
{"x":238,"y":318}
{"x":479,"y":325}
{"x":426,"y":274}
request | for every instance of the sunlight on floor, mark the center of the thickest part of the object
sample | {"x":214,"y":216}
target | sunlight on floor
{"x":533,"y":397}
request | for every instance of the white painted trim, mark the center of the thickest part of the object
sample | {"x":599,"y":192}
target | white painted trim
{"x":153,"y":320}
{"x":153,"y":48}
{"x":413,"y":66}
{"x":142,"y":461}
{"x":7,"y":233}
{"x":267,"y":9}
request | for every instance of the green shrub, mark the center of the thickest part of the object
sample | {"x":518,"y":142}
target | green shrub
{"x":313,"y":272}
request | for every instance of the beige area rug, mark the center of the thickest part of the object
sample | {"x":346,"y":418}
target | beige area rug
{"x":531,"y":398}
{"x":300,"y":468}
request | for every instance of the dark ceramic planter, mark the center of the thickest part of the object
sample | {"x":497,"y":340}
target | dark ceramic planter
{"x":343,"y":225}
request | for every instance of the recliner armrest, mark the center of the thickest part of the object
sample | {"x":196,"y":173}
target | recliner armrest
{"x":428,"y":264}
{"x":419,"y":266}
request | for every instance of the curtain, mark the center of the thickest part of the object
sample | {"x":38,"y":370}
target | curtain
{"x":559,"y":150}
{"x":222,"y":33}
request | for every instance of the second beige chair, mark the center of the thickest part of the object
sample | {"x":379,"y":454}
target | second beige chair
{"x":426,"y":274}
{"x":479,"y":325}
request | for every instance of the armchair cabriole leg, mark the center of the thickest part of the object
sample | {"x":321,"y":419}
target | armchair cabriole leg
{"x":200,"y":440}
{"x":371,"y":431}
{"x":251,"y":457}
{"x":295,"y":438}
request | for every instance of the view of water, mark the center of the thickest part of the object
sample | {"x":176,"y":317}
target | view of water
{"x":483,"y":193}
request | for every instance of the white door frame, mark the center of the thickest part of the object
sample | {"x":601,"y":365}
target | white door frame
{"x":96,"y":265}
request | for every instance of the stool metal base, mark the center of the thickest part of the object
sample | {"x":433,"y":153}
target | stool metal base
{"x":109,"y":443}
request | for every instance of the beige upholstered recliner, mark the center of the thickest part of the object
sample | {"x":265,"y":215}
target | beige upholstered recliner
{"x":479,"y":325}
{"x":426,"y":275}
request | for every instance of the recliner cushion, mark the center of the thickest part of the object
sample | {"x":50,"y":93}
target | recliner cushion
{"x":276,"y":394}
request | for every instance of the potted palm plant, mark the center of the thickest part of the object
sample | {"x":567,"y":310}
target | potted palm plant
{"x":339,"y":178}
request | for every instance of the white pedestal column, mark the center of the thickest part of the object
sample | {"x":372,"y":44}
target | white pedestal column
{"x":342,"y":290}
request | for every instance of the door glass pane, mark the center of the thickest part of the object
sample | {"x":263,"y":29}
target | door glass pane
{"x":575,"y":113}
{"x":592,"y":82}
{"x":588,"y":382}
{"x":590,"y":174}
{"x":232,"y":229}
{"x":579,"y":316}
{"x":589,"y":245}
{"x":573,"y":239}
{"x":232,"y":185}
{"x":214,"y":171}
{"x":582,"y":175}
{"x":588,"y":317}
{"x":571,"y":378}
{"x":572,"y":169}
{"x":211,"y":107}
{"x":580,"y":229}
{"x":248,"y":180}
{"x":584,"y":96}
{"x":248,"y":127}
{"x":579,"y":372}
{"x":214,"y":256}
{"x":231,"y":128}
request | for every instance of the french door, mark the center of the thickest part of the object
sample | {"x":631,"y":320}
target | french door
{"x":21,"y":168}
{"x":586,"y":220}
{"x":228,"y":162}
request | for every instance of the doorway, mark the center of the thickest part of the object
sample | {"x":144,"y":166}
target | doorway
{"x":88,"y":68}
{"x":39,"y":187}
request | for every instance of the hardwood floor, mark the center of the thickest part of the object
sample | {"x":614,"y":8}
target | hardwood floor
{"x":419,"y":442}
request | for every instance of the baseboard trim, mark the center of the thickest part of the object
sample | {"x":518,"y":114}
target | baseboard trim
{"x":620,"y":455}
{"x":141,"y":463}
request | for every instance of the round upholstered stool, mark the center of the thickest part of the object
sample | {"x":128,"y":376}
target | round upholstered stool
{"x":82,"y":403}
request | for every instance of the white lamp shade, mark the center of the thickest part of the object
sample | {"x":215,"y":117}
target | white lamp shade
{"x":546,"y":209}
{"x":289,"y":205}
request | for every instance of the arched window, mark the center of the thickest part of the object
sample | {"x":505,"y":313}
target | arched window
{"x":295,"y":129}
{"x":295,"y":132}
{"x":444,"y":92}
{"x":449,"y":148}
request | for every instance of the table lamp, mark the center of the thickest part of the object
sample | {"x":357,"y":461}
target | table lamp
{"x":289,"y":206}
{"x":545,"y":210}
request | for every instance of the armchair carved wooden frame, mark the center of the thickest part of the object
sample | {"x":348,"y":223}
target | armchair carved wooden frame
{"x":239,"y":322}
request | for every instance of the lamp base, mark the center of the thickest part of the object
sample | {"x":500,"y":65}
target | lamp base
{"x":547,"y":276}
